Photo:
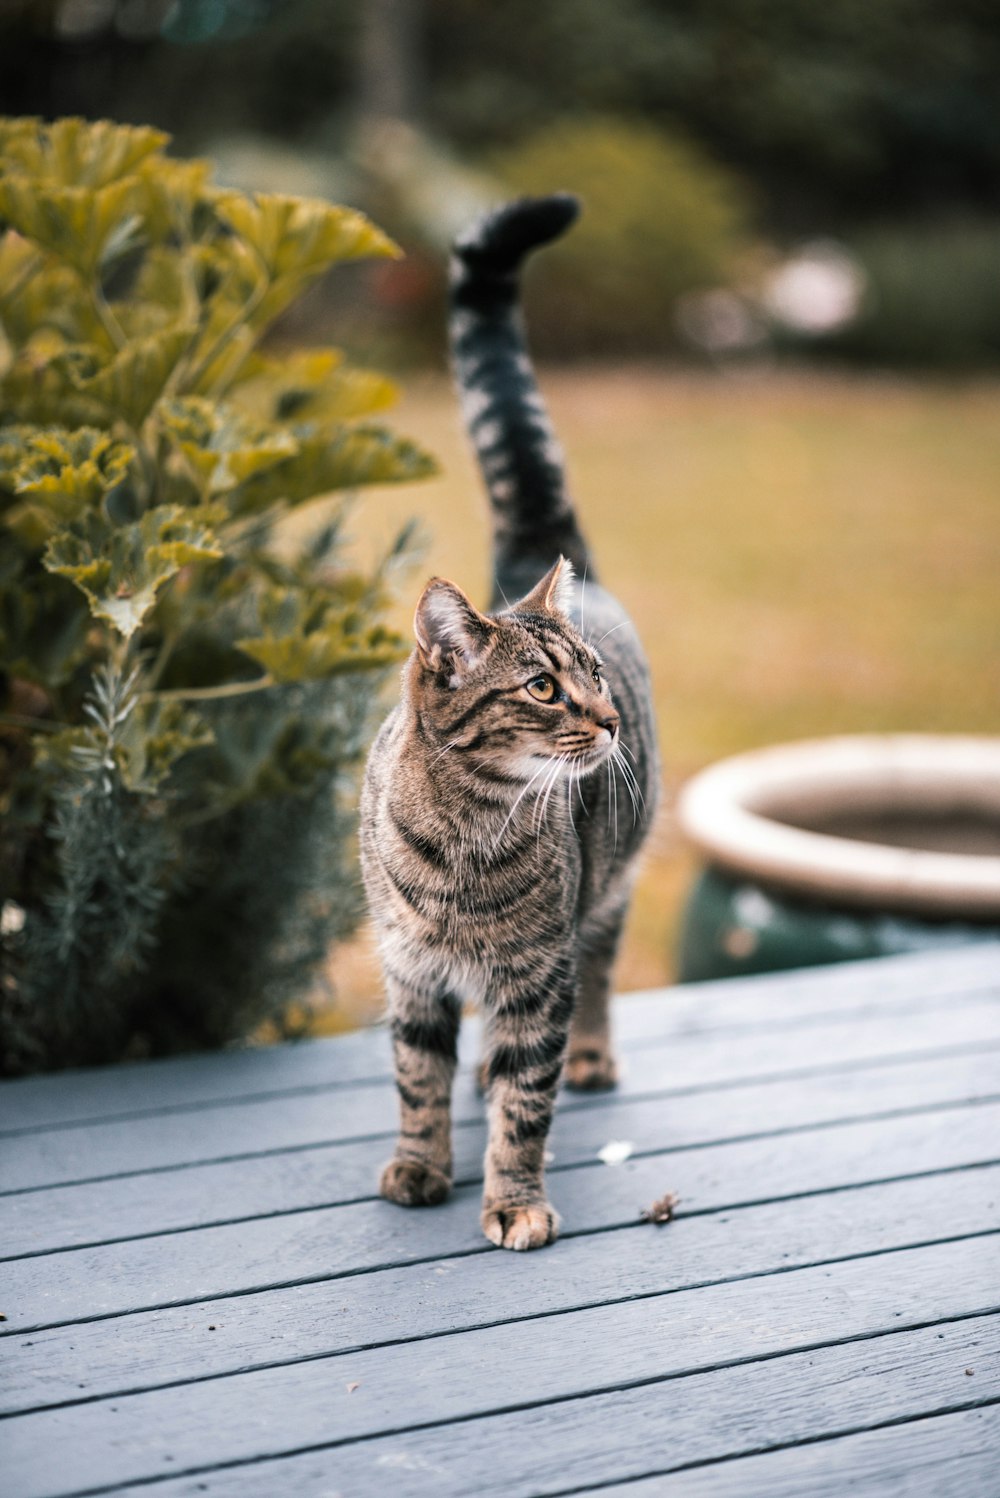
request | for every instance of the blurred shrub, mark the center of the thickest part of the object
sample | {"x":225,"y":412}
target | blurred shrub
{"x":182,"y":705}
{"x":660,"y":219}
{"x":933,"y":297}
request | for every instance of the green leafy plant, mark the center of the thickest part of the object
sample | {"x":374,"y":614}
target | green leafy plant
{"x":184,"y":693}
{"x":661,"y":219}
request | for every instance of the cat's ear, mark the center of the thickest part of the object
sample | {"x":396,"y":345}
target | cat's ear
{"x":554,"y":594}
{"x":451,"y":633}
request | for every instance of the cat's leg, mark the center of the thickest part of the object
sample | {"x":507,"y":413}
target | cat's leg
{"x":527,"y":1042}
{"x":590,"y":1063}
{"x":425,"y":1044}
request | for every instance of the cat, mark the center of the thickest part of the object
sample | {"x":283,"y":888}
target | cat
{"x":506,"y":797}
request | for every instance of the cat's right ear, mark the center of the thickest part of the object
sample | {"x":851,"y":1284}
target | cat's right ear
{"x":451,"y":633}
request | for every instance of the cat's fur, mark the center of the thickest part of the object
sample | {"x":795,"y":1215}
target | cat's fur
{"x":499,"y":831}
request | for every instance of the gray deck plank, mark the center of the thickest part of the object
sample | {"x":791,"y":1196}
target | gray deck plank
{"x":426,"y":1300}
{"x":201,"y":1293}
{"x":557,"y":1448}
{"x":901,"y":984}
{"x":689,"y":1062}
{"x":201,"y":1195}
{"x":408,"y":1385}
{"x":947,"y":1456}
{"x":208,"y":1262}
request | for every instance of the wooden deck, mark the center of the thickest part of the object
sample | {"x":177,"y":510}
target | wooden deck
{"x":202,"y":1295}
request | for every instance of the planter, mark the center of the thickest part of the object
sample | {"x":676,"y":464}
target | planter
{"x":841,"y":848}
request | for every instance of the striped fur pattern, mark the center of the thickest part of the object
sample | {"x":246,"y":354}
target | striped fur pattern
{"x":507,"y":795}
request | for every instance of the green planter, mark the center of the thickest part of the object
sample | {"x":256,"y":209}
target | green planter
{"x":840,"y":849}
{"x":732,"y":927}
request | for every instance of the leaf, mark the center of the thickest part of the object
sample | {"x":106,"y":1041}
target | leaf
{"x":133,"y":382}
{"x":120,"y":570}
{"x":52,"y":299}
{"x":344,"y":458}
{"x":172,"y":192}
{"x":155,"y":737}
{"x":294,"y":240}
{"x":309,"y":634}
{"x":301,"y":237}
{"x":74,"y":223}
{"x":223,"y":446}
{"x":62,"y":473}
{"x":16,"y":257}
{"x":38,"y":386}
{"x":314,"y":385}
{"x":76,"y":153}
{"x":102,"y":388}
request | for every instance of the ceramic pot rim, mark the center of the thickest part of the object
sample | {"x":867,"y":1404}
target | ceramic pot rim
{"x":737,"y":813}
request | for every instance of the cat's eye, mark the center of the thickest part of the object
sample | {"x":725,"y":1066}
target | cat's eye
{"x":597,"y":678}
{"x":542,"y":688}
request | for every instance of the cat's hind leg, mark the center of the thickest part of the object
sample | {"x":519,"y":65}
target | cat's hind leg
{"x":590,"y":1062}
{"x":425,"y":1044}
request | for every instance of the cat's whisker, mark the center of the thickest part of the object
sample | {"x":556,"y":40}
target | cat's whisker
{"x":572,"y":780}
{"x":611,"y":631}
{"x":630,"y":772}
{"x":546,"y":792}
{"x":520,"y":796}
{"x":619,"y":764}
{"x":583,"y":599}
{"x":453,"y":745}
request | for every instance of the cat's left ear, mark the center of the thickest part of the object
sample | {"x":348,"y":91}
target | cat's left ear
{"x":451,"y":633}
{"x":554,"y":594}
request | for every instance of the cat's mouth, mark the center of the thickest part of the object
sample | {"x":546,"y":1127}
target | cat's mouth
{"x":595,"y":753}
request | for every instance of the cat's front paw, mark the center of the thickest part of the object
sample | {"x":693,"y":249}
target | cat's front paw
{"x":590,"y":1070}
{"x":520,"y":1227}
{"x":413,"y":1183}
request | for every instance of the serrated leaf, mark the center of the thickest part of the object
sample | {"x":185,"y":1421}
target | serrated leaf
{"x":37,"y":388}
{"x":57,"y":476}
{"x":74,"y":223}
{"x":155,"y":736}
{"x":310,"y":633}
{"x":16,"y":257}
{"x":120,"y":570}
{"x":172,"y":193}
{"x":314,"y":385}
{"x":346,"y":458}
{"x":223,"y":446}
{"x":73,"y":152}
{"x":133,"y":382}
{"x":50,"y":300}
{"x":301,"y":237}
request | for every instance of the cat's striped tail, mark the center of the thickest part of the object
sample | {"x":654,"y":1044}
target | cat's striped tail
{"x":519,"y":455}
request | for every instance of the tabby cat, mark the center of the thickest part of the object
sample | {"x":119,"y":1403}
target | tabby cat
{"x":507,"y":795}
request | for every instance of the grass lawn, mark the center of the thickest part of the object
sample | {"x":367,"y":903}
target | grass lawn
{"x":803,"y":554}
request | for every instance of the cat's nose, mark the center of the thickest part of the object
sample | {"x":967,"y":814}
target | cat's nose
{"x":610,"y":722}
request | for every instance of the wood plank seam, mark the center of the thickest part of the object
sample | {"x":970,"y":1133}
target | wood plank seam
{"x":621,"y":1386}
{"x":594,"y":1104}
{"x":746,"y":1137}
{"x":773,"y":1271}
{"x":764,"y":1450}
{"x":379,"y":1078}
{"x":486,"y":1248}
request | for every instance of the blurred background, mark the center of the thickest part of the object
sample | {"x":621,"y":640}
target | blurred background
{"x":771,"y":347}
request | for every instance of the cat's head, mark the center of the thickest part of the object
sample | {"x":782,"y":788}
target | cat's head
{"x":517,"y":690}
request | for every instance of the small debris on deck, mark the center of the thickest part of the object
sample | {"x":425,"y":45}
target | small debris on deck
{"x":662,"y":1210}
